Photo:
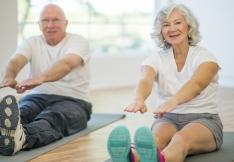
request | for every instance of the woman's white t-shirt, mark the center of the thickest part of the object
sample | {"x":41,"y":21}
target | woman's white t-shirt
{"x":170,"y":80}
{"x":41,"y":56}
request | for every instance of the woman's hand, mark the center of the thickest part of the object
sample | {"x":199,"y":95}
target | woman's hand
{"x":167,"y":106}
{"x":136,"y":106}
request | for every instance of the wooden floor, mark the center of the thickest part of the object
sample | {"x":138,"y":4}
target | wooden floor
{"x":92,"y":147}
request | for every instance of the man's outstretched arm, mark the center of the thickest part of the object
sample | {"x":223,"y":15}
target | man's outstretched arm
{"x":12,"y":69}
{"x":57,"y":71}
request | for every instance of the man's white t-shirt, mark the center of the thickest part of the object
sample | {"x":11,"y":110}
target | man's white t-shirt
{"x":170,"y":80}
{"x":42,"y":56}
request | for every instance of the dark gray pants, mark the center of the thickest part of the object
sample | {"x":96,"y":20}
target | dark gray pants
{"x":47,"y":118}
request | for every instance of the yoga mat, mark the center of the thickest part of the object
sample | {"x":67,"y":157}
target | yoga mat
{"x":225,"y":154}
{"x":97,"y":121}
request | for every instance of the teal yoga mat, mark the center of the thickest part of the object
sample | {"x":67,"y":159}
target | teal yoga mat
{"x":97,"y":121}
{"x":225,"y":154}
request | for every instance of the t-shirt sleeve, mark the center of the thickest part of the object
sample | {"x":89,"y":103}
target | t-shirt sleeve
{"x":79,"y":46}
{"x":152,"y":61}
{"x":24,"y":49}
{"x":206,"y":56}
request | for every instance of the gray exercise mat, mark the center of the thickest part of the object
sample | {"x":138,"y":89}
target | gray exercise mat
{"x":97,"y":121}
{"x":225,"y":154}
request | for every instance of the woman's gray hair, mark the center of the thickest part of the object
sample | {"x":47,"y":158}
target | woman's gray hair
{"x":193,"y":34}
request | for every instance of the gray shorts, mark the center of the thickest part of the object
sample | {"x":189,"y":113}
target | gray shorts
{"x":211,"y":121}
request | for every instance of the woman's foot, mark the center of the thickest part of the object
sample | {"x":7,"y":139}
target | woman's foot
{"x":119,"y":144}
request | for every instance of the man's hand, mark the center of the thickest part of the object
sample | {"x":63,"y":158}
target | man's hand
{"x":8,"y":83}
{"x":28,"y":84}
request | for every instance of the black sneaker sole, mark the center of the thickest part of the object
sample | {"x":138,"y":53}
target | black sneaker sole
{"x":8,"y":123}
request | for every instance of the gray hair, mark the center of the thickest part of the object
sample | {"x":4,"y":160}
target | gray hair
{"x":54,"y":6}
{"x":193,"y":34}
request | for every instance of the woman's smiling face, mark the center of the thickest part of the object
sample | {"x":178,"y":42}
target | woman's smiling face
{"x":175,"y":29}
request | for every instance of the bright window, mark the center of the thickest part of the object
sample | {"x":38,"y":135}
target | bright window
{"x":111,"y":26}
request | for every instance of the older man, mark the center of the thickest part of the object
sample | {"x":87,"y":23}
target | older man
{"x":58,"y":104}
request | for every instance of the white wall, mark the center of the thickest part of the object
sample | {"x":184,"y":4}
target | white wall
{"x":8,"y":30}
{"x":115,"y":70}
{"x":8,"y":33}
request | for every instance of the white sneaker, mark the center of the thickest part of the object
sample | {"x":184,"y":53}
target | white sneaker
{"x":12,"y":137}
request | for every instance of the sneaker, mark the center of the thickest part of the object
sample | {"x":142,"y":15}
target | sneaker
{"x":145,"y":145}
{"x":12,"y":137}
{"x":119,"y":144}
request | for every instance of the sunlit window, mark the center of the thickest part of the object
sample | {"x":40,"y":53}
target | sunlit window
{"x":111,"y":26}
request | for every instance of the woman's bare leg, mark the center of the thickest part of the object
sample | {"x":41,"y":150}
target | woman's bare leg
{"x":192,"y":139}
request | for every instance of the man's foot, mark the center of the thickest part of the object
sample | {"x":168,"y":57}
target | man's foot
{"x":145,"y":145}
{"x":12,"y":136}
{"x":119,"y":144}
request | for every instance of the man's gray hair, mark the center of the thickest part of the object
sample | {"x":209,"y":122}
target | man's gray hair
{"x":51,"y":5}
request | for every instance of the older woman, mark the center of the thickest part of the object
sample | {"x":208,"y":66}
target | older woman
{"x":187,"y":120}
